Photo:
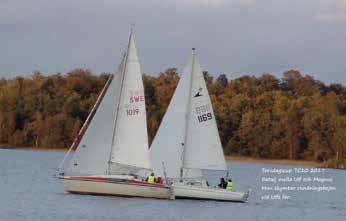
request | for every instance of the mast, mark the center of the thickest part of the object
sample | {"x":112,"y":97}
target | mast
{"x":187,"y":114}
{"x":122,"y":68}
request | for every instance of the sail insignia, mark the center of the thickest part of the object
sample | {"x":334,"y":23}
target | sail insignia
{"x":199,"y":93}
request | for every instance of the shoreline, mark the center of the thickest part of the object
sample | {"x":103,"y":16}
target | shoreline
{"x":4,"y":147}
{"x":238,"y":159}
{"x":251,"y":160}
{"x":228,"y":158}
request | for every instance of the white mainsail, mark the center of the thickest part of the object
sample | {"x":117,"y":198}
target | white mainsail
{"x":117,"y":134}
{"x":188,"y":136}
{"x":203,"y":146}
{"x":130,"y":143}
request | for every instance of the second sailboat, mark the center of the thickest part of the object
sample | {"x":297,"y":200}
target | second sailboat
{"x":188,"y":142}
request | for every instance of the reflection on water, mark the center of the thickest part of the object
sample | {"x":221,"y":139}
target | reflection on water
{"x":29,"y":192}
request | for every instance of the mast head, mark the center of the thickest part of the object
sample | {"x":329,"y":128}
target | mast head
{"x":132,"y":28}
{"x":193,"y":51}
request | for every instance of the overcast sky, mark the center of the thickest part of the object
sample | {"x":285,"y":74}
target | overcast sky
{"x":234,"y":37}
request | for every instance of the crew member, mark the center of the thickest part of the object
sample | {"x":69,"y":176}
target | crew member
{"x":159,"y":180}
{"x":151,"y":179}
{"x":229,"y":185}
{"x":223,"y":183}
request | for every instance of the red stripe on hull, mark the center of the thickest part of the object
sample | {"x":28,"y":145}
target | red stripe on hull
{"x":109,"y":180}
{"x":118,"y":195}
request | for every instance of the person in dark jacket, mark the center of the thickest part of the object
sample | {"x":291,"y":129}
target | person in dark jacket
{"x":223,"y":183}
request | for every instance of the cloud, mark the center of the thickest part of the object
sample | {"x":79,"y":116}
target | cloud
{"x":18,"y":11}
{"x":211,"y":3}
{"x":254,"y":36}
{"x":331,"y":17}
{"x":335,"y":12}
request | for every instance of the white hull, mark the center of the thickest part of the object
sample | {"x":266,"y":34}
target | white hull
{"x":105,"y":186}
{"x":183,"y":190}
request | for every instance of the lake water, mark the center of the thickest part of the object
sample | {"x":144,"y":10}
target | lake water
{"x":28,"y":191}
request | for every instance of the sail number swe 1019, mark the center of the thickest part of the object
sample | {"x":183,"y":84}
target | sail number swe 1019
{"x":131,"y":112}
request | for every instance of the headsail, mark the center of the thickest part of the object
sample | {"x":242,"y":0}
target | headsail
{"x":167,"y":146}
{"x":92,"y":153}
{"x":130,"y":139}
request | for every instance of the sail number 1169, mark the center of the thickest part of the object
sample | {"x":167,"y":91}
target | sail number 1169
{"x":204,"y":117}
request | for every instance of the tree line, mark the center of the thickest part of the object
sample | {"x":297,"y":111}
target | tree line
{"x":295,"y":117}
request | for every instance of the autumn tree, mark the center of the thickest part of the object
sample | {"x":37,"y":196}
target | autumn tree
{"x":295,"y":117}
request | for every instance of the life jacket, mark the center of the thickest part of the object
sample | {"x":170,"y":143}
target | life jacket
{"x":229,"y":186}
{"x":151,"y":179}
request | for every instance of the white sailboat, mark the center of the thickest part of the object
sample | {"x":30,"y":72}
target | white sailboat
{"x":188,"y":142}
{"x":113,"y":153}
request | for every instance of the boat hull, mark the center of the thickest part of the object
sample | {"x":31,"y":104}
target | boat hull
{"x":115,"y":187}
{"x":181,"y":190}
